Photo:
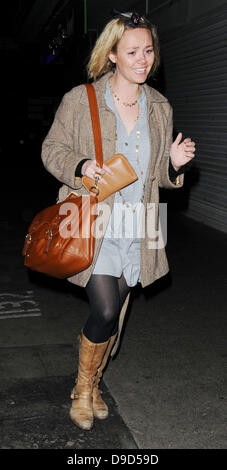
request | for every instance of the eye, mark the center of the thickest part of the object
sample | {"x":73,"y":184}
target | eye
{"x":132,"y":53}
{"x":149,"y":51}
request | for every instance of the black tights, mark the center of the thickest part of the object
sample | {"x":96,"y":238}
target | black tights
{"x":106,"y":295}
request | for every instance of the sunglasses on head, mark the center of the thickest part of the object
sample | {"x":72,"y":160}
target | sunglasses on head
{"x":133,"y":19}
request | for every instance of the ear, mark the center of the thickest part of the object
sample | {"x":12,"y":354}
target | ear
{"x":112,"y":57}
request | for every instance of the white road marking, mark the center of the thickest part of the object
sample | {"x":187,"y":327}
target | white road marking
{"x":21,"y":315}
{"x":14,"y":305}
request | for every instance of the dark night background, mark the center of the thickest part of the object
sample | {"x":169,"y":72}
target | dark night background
{"x":173,"y":351}
{"x":44,"y":48}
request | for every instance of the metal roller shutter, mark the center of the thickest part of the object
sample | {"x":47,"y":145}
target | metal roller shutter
{"x":195,"y":65}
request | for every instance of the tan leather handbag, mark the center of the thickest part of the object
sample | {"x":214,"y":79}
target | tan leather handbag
{"x":123,"y":172}
{"x":60,"y":240}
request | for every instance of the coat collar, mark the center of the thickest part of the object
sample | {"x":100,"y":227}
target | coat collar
{"x":152,"y":95}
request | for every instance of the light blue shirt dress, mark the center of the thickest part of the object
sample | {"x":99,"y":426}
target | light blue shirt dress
{"x":120,"y":249}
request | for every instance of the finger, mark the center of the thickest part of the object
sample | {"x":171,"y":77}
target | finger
{"x":189,"y":144}
{"x":96,"y":172}
{"x":189,"y":152}
{"x":186,"y":141}
{"x":178,"y":138}
{"x":99,"y":173}
{"x":108,"y":170}
{"x":99,"y":170}
{"x":98,"y":178}
{"x":190,"y":148}
{"x":190,"y":155}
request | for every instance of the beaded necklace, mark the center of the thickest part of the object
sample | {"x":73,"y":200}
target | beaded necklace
{"x":124,"y":102}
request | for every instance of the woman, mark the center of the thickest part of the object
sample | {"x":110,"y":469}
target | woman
{"x":135,"y":120}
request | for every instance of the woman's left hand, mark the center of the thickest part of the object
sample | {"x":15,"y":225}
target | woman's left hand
{"x":181,"y":154}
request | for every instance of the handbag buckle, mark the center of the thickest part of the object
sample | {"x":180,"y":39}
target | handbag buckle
{"x":49,"y":231}
{"x":96,"y":189}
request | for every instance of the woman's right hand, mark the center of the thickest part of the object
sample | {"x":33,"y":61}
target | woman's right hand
{"x":92,"y":170}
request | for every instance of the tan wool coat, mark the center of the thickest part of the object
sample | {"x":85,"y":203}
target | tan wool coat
{"x":70,"y":140}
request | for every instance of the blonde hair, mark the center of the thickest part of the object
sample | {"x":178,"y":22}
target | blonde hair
{"x":100,"y":63}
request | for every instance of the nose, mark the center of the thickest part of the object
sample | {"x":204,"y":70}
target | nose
{"x":142,"y":58}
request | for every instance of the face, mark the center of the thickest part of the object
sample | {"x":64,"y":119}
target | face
{"x":134,"y":56}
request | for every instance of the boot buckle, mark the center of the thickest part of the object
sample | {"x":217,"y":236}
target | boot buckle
{"x":74,"y":396}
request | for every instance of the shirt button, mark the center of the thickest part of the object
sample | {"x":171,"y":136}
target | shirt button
{"x":126,"y":143}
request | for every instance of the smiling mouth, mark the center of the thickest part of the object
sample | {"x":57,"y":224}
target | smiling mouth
{"x":140,"y":70}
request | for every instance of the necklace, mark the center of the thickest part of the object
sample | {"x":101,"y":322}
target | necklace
{"x":138,"y":115}
{"x":123,"y":102}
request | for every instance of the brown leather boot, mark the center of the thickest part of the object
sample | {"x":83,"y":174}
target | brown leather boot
{"x":90,"y":357}
{"x":100,"y":408}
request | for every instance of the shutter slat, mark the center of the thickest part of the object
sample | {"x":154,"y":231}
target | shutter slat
{"x":194,"y":60}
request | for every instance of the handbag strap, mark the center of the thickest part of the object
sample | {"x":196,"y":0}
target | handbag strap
{"x":95,"y":122}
